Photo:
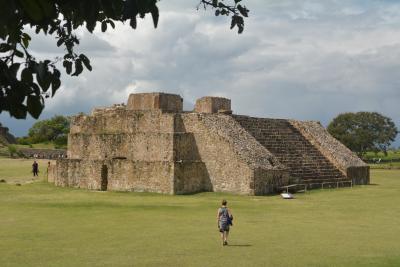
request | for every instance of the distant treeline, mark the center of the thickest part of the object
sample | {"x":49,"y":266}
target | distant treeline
{"x":53,"y":130}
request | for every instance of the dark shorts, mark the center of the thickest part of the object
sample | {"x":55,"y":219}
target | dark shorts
{"x":223,"y":227}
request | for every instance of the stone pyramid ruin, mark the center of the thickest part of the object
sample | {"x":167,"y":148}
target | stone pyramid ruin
{"x":152,"y":145}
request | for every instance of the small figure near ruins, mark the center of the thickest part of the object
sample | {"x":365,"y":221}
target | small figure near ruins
{"x":35,"y":168}
{"x":224,"y":221}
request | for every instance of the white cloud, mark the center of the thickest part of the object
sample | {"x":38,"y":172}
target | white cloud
{"x":298,"y":59}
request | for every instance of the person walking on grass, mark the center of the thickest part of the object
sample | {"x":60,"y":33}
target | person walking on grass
{"x":35,"y":168}
{"x":224,"y":220}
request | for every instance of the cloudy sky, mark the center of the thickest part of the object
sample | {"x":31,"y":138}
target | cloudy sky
{"x":307,"y":60}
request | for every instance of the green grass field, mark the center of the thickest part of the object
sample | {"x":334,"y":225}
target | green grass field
{"x":44,"y":225}
{"x":391,"y":155}
{"x":389,"y":161}
{"x":46,"y":145}
{"x":390,"y":165}
{"x":20,"y":170}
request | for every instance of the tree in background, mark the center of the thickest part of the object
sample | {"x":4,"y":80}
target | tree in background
{"x":12,"y":150}
{"x":25,"y":81}
{"x":54,"y":130}
{"x":363,"y":131}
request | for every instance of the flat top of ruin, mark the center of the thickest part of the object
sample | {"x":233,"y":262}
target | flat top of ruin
{"x":154,"y":94}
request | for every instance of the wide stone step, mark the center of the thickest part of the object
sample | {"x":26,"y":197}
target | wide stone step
{"x":291,"y":148}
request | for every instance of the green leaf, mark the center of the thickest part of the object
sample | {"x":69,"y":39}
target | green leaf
{"x":5,"y":47}
{"x":18,"y":111}
{"x":111,"y":23}
{"x":241,"y":28}
{"x":32,"y":9}
{"x":18,"y":53}
{"x":85,"y":61}
{"x":233,"y":22}
{"x":108,"y":8}
{"x":155,"y":15}
{"x":43,"y":76}
{"x":14,"y":69}
{"x":55,"y":84}
{"x":36,"y":88}
{"x":41,"y":69}
{"x":52,"y":29}
{"x":44,"y":82}
{"x":35,"y":105}
{"x":215,"y":3}
{"x":47,"y":7}
{"x":103,"y":26}
{"x":25,"y":39}
{"x":78,"y":67}
{"x":243,"y":11}
{"x":26,"y":76}
{"x":56,"y":73}
{"x":60,"y":41}
{"x":68,"y":66}
{"x":133,"y":22}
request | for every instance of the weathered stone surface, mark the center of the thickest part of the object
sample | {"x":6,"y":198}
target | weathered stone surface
{"x":151,"y":146}
{"x":155,"y":101}
{"x":231,"y":156}
{"x":337,"y":153}
{"x":307,"y":149}
{"x":211,"y":104}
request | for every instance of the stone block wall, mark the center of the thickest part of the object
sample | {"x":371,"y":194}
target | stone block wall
{"x":209,"y":104}
{"x":232,"y":158}
{"x":121,"y":175}
{"x":155,"y":101}
{"x":69,"y":173}
{"x":133,"y":150}
{"x":191,"y":177}
{"x":205,"y":162}
{"x":140,"y":176}
{"x":269,"y":181}
{"x":121,"y":121}
{"x":140,"y":146}
{"x":175,"y":153}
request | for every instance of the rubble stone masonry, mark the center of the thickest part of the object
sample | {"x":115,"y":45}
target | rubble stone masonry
{"x":151,"y":145}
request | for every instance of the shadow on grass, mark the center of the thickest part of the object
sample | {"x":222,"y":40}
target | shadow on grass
{"x":240,"y":245}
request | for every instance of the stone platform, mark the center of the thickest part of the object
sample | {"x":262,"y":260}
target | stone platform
{"x":152,"y":145}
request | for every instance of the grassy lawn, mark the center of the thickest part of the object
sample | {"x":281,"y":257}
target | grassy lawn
{"x":47,"y":145}
{"x":391,"y":155}
{"x":20,"y":170}
{"x":389,"y":161}
{"x":390,"y":165}
{"x":43,"y":225}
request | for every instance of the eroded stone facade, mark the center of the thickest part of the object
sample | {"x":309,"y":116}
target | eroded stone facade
{"x":151,"y":145}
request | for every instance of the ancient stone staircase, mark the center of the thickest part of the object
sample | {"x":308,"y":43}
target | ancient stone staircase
{"x":305,"y":162}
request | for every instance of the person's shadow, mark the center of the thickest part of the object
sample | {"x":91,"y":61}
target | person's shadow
{"x":240,"y":245}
